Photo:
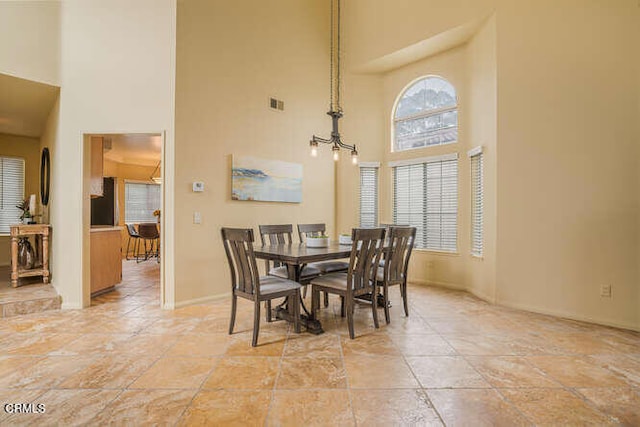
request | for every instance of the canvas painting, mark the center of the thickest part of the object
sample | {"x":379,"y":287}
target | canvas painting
{"x":266,"y":180}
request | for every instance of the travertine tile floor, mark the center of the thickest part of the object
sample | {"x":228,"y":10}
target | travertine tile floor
{"x":456,"y":361}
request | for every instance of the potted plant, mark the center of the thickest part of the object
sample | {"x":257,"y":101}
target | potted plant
{"x":321,"y":241}
{"x":344,"y":239}
{"x":25,"y":216}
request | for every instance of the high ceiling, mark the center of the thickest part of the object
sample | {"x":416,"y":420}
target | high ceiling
{"x":134,"y":148}
{"x":25,"y":105}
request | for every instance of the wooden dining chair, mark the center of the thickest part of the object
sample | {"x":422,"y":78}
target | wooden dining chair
{"x":278,"y":235}
{"x":325,"y":267}
{"x":314,"y":230}
{"x":394,"y":272}
{"x":246,"y":281}
{"x":360,"y":278}
{"x":387,"y":228}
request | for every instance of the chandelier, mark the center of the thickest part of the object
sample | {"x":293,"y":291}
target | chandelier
{"x":335,"y":110}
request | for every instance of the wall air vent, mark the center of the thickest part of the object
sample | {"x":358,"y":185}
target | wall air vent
{"x":276,"y":104}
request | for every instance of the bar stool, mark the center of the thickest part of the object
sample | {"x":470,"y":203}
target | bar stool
{"x":149,"y":233}
{"x":133,"y":234}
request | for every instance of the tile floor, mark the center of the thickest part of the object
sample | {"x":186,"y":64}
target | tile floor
{"x":456,"y":361}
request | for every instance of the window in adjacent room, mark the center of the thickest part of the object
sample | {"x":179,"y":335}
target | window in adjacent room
{"x":426,"y":114}
{"x":369,"y":194}
{"x":141,"y":200}
{"x":11,"y":191}
{"x":425,"y":196}
{"x":477,"y":201}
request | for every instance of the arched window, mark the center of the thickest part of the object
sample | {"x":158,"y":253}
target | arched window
{"x":426,"y":114}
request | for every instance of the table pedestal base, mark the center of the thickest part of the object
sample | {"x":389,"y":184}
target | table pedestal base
{"x":313,"y":326}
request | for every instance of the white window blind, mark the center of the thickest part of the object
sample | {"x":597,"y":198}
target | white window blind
{"x":11,"y":191}
{"x":477,"y":203}
{"x":425,"y":196}
{"x":140,"y":202}
{"x":368,"y":196}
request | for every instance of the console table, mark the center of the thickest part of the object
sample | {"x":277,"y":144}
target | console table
{"x":42,"y":269}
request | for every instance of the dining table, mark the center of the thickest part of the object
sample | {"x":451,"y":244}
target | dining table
{"x":295,"y":256}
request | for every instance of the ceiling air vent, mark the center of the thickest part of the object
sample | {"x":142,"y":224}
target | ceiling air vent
{"x":276,"y":104}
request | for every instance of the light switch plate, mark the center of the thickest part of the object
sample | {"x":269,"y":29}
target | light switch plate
{"x":198,"y":187}
{"x":197,"y":218}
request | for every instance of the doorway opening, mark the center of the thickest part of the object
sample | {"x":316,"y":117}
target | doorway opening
{"x":125,"y":211}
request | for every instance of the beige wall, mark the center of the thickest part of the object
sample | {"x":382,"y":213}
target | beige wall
{"x":29,"y":150}
{"x":426,"y":266}
{"x":49,"y":139}
{"x":30,"y":40}
{"x":482,"y":121}
{"x":117,"y":63}
{"x":568,"y":158}
{"x":232,"y":56}
{"x":557,"y":111}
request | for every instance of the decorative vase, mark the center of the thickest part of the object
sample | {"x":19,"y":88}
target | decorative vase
{"x":26,"y":220}
{"x":26,"y":254}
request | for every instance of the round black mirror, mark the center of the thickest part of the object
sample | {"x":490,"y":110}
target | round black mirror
{"x":45,"y":176}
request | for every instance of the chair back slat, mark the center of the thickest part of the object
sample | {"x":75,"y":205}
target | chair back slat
{"x":313,"y":230}
{"x":275,"y":235}
{"x":398,"y":252}
{"x":365,"y":257}
{"x":238,"y":245}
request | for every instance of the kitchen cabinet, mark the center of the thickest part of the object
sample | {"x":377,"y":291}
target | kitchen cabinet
{"x":106,"y":259}
{"x":97,"y":163}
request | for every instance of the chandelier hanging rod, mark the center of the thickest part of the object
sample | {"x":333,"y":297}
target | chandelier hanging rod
{"x":335,"y":110}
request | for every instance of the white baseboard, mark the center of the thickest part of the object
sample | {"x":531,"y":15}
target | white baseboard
{"x":571,"y":316}
{"x":482,"y":296}
{"x":446,"y":285}
{"x":533,"y":309}
{"x":202,"y":300}
{"x":71,"y":306}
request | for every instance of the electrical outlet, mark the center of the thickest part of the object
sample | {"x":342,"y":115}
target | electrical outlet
{"x":605,"y":291}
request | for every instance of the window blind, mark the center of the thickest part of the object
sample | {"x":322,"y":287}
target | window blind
{"x":11,"y":191}
{"x":368,"y":196}
{"x":425,"y":196}
{"x":477,"y":204}
{"x":140,"y":202}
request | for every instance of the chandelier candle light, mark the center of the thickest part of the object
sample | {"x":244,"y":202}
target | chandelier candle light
{"x":335,"y":110}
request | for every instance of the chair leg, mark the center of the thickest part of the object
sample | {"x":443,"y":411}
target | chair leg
{"x":352,"y":334}
{"x":326,"y":299}
{"x":234,"y":301}
{"x":256,"y":324}
{"x":386,"y":303}
{"x":315,"y":295}
{"x":304,"y":291}
{"x":374,"y":307}
{"x":342,"y":313}
{"x":267,"y":307}
{"x":296,"y":312}
{"x":403,"y":288}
